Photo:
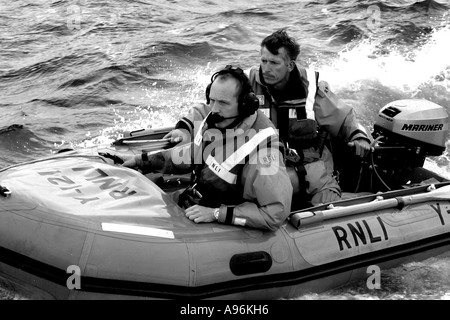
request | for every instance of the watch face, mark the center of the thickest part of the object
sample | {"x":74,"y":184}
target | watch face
{"x":216,"y":214}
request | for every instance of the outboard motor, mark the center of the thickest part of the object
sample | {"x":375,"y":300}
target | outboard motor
{"x":419,"y":127}
{"x":406,"y":132}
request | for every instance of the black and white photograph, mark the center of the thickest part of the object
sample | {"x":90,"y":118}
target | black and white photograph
{"x":228,"y":156}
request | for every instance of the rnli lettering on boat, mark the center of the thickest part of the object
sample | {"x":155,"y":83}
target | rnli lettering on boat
{"x":423,"y":127}
{"x":115,"y":187}
{"x":359,"y":233}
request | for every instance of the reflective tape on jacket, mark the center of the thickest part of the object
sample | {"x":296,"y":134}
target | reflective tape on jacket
{"x":307,"y":103}
{"x":312,"y":89}
{"x":293,"y":105}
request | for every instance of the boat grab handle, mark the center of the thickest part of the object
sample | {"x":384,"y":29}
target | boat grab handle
{"x":431,"y":194}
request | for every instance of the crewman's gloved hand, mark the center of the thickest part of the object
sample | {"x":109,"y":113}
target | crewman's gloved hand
{"x":178,"y":136}
{"x":132,"y":161}
{"x":361,"y":147}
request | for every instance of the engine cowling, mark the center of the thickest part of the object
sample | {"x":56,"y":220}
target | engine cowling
{"x":417,"y":124}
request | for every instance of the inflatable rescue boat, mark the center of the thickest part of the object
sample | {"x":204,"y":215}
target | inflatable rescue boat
{"x":78,"y":225}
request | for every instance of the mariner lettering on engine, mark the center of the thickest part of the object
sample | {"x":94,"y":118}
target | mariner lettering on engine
{"x":423,"y":127}
{"x":117,"y":187}
{"x":359,"y":233}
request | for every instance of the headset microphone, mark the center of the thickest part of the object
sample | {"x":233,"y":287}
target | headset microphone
{"x":214,"y":118}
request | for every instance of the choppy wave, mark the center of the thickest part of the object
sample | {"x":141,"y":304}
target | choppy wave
{"x":407,"y":69}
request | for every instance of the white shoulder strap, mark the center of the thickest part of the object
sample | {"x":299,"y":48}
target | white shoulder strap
{"x":312,"y":89}
{"x":223,"y":170}
{"x":239,"y":155}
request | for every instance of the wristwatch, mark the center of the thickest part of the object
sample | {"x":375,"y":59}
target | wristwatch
{"x":216,"y":213}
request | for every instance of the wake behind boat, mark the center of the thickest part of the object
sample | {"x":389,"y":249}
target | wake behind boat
{"x":79,"y":225}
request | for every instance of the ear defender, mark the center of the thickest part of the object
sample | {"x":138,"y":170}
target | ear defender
{"x":248,"y":102}
{"x":208,"y":90}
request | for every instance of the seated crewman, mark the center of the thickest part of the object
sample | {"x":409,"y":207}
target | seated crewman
{"x":240,"y":177}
